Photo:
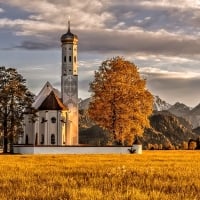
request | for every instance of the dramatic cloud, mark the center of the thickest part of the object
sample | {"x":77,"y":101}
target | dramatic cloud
{"x":175,"y":89}
{"x":161,"y":37}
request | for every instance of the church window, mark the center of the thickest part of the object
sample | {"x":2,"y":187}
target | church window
{"x":21,"y":134}
{"x":42,"y":139}
{"x":43,"y":120}
{"x":26,"y":142}
{"x":53,"y":120}
{"x":53,"y":139}
{"x":70,"y":48}
{"x":75,"y":59}
{"x":70,"y":59}
{"x":64,"y":58}
{"x":36,"y":139}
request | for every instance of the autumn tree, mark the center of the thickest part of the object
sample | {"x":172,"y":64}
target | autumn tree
{"x":14,"y":99}
{"x":120,"y":104}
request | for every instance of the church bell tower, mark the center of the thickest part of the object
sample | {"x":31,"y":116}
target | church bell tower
{"x":69,"y":83}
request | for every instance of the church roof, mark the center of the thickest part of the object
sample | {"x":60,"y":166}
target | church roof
{"x":44,"y":93}
{"x":52,"y":102}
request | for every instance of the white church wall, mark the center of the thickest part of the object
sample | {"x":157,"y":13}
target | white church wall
{"x":63,"y":127}
{"x":53,"y":127}
{"x":28,"y":130}
{"x":37,"y":142}
{"x":46,"y":123}
{"x":42,"y":127}
{"x":71,"y":150}
{"x":53,"y":124}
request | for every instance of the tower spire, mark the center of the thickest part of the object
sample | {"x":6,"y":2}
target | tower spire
{"x":69,"y":24}
{"x":69,"y":83}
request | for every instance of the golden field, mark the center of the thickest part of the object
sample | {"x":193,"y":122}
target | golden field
{"x":163,"y":175}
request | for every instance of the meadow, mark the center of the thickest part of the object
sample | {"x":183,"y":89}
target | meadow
{"x":163,"y":175}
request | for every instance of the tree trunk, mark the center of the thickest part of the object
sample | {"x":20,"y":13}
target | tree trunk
{"x":5,"y":137}
{"x":11,"y":144}
{"x":12,"y":125}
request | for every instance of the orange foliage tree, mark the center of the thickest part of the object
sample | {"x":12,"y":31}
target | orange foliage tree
{"x":120,"y":102}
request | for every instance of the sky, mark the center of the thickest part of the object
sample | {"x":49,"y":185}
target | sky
{"x":162,"y":37}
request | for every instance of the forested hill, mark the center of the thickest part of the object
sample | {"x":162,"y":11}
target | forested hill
{"x":167,"y":131}
{"x":172,"y":129}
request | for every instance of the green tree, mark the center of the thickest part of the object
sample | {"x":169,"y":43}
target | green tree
{"x":15,"y":99}
{"x":120,"y":104}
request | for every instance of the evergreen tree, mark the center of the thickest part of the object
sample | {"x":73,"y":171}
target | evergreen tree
{"x":15,"y":99}
{"x":120,"y":102}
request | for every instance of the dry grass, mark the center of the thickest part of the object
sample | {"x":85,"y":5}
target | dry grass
{"x":163,"y":175}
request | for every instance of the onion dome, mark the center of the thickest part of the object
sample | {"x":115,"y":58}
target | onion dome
{"x":69,"y":37}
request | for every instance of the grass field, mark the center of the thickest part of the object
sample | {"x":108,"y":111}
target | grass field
{"x":163,"y":175}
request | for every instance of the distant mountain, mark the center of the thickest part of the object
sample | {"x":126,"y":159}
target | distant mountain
{"x":194,"y":116}
{"x":197,"y":130}
{"x":166,"y":129}
{"x":160,"y":105}
{"x":176,"y":129}
{"x":195,"y":110}
{"x":84,"y":104}
{"x":179,"y":109}
{"x":190,"y":114}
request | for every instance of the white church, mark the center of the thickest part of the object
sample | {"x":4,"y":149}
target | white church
{"x":56,"y":121}
{"x":54,"y":130}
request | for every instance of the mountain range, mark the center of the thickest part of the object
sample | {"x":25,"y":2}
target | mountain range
{"x":171,"y":125}
{"x":192,"y":115}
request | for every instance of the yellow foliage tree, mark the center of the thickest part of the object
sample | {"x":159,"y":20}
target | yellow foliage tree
{"x":120,"y":102}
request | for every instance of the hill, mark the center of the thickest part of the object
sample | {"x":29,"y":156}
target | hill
{"x":167,"y":130}
{"x":179,"y":109}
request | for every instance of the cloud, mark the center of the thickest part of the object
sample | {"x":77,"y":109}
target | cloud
{"x":160,"y":42}
{"x":175,"y":89}
{"x":158,"y":27}
{"x":161,"y":37}
{"x":150,"y":72}
{"x":130,"y":41}
{"x":173,"y":86}
{"x":84,"y":14}
{"x":29,"y":45}
{"x":1,"y":10}
{"x":170,"y":3}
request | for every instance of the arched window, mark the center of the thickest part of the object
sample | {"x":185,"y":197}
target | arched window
{"x":65,"y":59}
{"x":42,"y":139}
{"x":36,"y":139}
{"x":53,"y":139}
{"x":53,"y":120}
{"x":70,"y":59}
{"x":75,"y":59}
{"x":43,"y":120}
{"x":26,"y":142}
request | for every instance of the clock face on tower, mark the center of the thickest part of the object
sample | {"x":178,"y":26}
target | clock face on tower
{"x":70,"y":86}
